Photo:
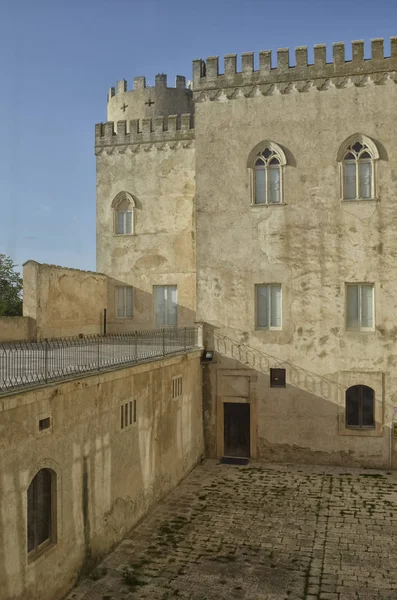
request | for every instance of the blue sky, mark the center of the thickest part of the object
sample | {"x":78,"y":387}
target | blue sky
{"x":59,"y":57}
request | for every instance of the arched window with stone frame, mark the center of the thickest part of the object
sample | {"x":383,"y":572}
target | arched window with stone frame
{"x":41,"y":511}
{"x":360,"y":407}
{"x":266,"y":164}
{"x":123,"y":214}
{"x":357,"y":163}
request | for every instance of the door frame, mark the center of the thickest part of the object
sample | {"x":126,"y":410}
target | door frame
{"x":249,"y":428}
{"x":251,"y":399}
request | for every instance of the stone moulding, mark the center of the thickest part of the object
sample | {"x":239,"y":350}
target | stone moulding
{"x":250,"y":91}
{"x":206,"y":74}
{"x":159,"y":132}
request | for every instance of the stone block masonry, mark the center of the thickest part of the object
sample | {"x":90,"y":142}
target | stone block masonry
{"x":117,"y":442}
{"x":260,"y":533}
{"x":206,"y":74}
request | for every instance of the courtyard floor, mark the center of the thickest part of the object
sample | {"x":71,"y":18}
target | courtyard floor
{"x":260,"y":532}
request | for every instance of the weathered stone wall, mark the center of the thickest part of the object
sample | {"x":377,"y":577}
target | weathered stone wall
{"x":156,"y":167}
{"x":16,"y":328}
{"x":64,"y":302}
{"x":107,"y":478}
{"x":312,"y":245}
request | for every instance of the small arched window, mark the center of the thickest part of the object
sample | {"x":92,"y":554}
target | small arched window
{"x":357,"y":158}
{"x":123,"y":206}
{"x":266,"y":162}
{"x":360,"y":407}
{"x":41,"y":503}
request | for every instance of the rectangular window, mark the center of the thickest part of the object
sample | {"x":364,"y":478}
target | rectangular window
{"x":349,"y":181}
{"x":268,"y":306}
{"x":127,"y":414}
{"x":277,"y":378}
{"x":177,"y":386}
{"x":44,"y":423}
{"x":360,"y":306}
{"x":124,"y":222}
{"x":124,"y":301}
{"x":165,"y":305}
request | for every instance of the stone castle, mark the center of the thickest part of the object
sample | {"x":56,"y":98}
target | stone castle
{"x":261,"y":203}
{"x":258,"y":205}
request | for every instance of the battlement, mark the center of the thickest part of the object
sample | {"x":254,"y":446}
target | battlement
{"x":144,"y":131}
{"x":140,"y":84}
{"x":206,"y":74}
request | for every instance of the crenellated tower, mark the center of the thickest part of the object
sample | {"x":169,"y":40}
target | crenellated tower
{"x":145,"y":203}
{"x":149,"y":102}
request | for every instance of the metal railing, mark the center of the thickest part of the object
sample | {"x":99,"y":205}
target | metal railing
{"x":25,"y":364}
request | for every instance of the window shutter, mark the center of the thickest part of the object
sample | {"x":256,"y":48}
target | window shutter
{"x":159,"y":304}
{"x":349,"y":183}
{"x":275,"y":306}
{"x":172,"y":306}
{"x":367,"y":306}
{"x":120,"y":222}
{"x":367,"y":406}
{"x":260,"y":186}
{"x":365,"y":174}
{"x":128,"y":226}
{"x":274,"y":185}
{"x":129,"y":301}
{"x":352,"y":306}
{"x":120,"y":301}
{"x":262,"y":306}
{"x":353,"y":406}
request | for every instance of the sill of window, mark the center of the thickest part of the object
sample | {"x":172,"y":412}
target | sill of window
{"x":352,"y":201}
{"x":36,"y":555}
{"x":360,"y":331}
{"x":124,"y":234}
{"x":270,"y":204}
{"x":267,"y":329}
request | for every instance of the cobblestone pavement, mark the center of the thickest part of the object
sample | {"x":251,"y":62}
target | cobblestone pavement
{"x":257,"y":532}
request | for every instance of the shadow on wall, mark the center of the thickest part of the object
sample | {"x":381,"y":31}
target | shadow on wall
{"x":303,"y":422}
{"x":109,"y":474}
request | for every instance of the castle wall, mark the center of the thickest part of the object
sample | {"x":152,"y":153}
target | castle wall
{"x":148,"y":102}
{"x":154,"y":162}
{"x":107,"y":477}
{"x":311,"y":245}
{"x":16,"y":328}
{"x":64,"y":302}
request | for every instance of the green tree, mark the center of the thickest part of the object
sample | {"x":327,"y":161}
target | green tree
{"x":10,"y":288}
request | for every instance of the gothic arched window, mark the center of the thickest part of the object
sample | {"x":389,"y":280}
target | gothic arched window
{"x":123,"y":206}
{"x":360,"y":407}
{"x":266,"y":162}
{"x":41,"y":506}
{"x":357,"y":159}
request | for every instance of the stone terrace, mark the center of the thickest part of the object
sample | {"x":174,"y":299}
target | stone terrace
{"x":260,"y":532}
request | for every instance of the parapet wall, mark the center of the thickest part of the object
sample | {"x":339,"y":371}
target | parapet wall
{"x":206,"y":73}
{"x":137,"y":131}
{"x":144,"y":101}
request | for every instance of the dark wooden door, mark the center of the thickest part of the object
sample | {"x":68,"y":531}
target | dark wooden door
{"x":236,"y":429}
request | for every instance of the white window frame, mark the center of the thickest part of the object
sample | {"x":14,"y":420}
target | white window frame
{"x":117,"y":291}
{"x":123,"y":203}
{"x":166,"y":312}
{"x":369,"y":146}
{"x":255,"y":155}
{"x":359,"y":286}
{"x":124,"y":212}
{"x":269,"y":327}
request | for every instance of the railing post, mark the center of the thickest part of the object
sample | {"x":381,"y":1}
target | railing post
{"x":184,"y":339}
{"x":98,"y":354}
{"x":46,"y":361}
{"x":163,"y":342}
{"x":136,"y":345}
